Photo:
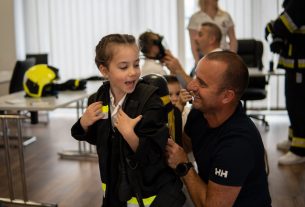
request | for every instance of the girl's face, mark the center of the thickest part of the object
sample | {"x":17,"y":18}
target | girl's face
{"x":174,"y":92}
{"x":123,"y":71}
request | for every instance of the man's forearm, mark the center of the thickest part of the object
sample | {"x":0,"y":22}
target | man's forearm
{"x":183,"y":77}
{"x":196,"y":187}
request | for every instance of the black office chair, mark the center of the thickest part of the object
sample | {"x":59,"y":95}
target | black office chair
{"x":251,"y":51}
{"x":40,"y":58}
{"x":16,"y":83}
{"x":17,"y":76}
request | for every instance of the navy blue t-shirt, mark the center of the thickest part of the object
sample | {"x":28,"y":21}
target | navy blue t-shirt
{"x":231,"y":154}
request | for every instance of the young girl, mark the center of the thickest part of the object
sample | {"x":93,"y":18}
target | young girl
{"x":126,"y":121}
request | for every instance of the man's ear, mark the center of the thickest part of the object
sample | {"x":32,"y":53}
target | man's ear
{"x":229,"y":95}
{"x":103,"y":70}
{"x":212,"y":39}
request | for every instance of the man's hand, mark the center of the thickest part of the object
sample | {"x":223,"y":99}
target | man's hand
{"x":277,"y":45}
{"x":172,"y":63}
{"x":174,"y":154}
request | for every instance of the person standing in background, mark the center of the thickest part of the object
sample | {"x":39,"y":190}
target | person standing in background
{"x":288,"y":35}
{"x":208,"y":39}
{"x":210,"y":12}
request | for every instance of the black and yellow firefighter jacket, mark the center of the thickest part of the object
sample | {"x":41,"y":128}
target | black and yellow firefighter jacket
{"x":152,"y":174}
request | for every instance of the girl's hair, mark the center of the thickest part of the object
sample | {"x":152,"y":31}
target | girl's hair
{"x":104,"y":51}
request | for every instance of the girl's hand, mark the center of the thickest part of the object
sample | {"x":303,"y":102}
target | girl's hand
{"x":91,"y":115}
{"x":184,"y":96}
{"x":125,"y":124}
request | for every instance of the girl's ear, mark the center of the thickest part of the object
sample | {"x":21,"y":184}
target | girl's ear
{"x":103,"y":70}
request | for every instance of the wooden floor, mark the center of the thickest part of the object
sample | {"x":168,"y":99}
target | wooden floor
{"x":76,"y":183}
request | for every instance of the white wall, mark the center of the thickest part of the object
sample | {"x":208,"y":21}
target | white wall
{"x":7,"y":35}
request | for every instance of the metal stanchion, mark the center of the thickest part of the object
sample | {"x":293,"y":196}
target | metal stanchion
{"x":7,"y":156}
{"x":12,"y":199}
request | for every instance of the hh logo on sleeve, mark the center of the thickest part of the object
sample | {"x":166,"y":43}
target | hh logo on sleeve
{"x":221,"y":173}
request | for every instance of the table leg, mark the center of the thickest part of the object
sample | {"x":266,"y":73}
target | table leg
{"x":12,"y":199}
{"x":81,"y":153}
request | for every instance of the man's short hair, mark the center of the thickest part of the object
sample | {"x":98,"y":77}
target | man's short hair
{"x":236,"y":76}
{"x":214,"y":30}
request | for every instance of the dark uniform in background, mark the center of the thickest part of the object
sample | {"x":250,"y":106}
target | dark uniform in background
{"x":288,"y":32}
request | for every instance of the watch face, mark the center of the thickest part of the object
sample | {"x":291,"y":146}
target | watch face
{"x":183,"y":168}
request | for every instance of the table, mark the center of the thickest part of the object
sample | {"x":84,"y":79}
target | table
{"x":18,"y":102}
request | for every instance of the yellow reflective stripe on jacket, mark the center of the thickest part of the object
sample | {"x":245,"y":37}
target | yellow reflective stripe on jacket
{"x":147,"y":201}
{"x":104,"y":187}
{"x":301,"y":63}
{"x":301,"y":30}
{"x":133,"y":201}
{"x":269,"y":28}
{"x":290,"y":50}
{"x":298,"y":142}
{"x":288,"y":63}
{"x":171,"y":124}
{"x":287,"y":21}
{"x":165,"y":99}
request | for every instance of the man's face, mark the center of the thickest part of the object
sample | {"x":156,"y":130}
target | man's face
{"x":203,"y":38}
{"x":207,"y":86}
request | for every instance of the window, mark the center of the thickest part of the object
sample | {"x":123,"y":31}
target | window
{"x":69,"y":30}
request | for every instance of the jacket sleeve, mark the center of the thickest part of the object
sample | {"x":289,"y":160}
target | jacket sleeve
{"x":152,"y":131}
{"x":290,"y":20}
{"x":79,"y":133}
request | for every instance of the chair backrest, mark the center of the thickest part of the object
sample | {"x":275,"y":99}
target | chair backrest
{"x":251,"y":51}
{"x":41,"y":58}
{"x":16,"y":83}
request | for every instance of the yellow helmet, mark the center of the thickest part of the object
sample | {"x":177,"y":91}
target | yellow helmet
{"x":38,"y":80}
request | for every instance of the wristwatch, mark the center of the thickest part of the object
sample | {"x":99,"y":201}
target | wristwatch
{"x":183,"y":168}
